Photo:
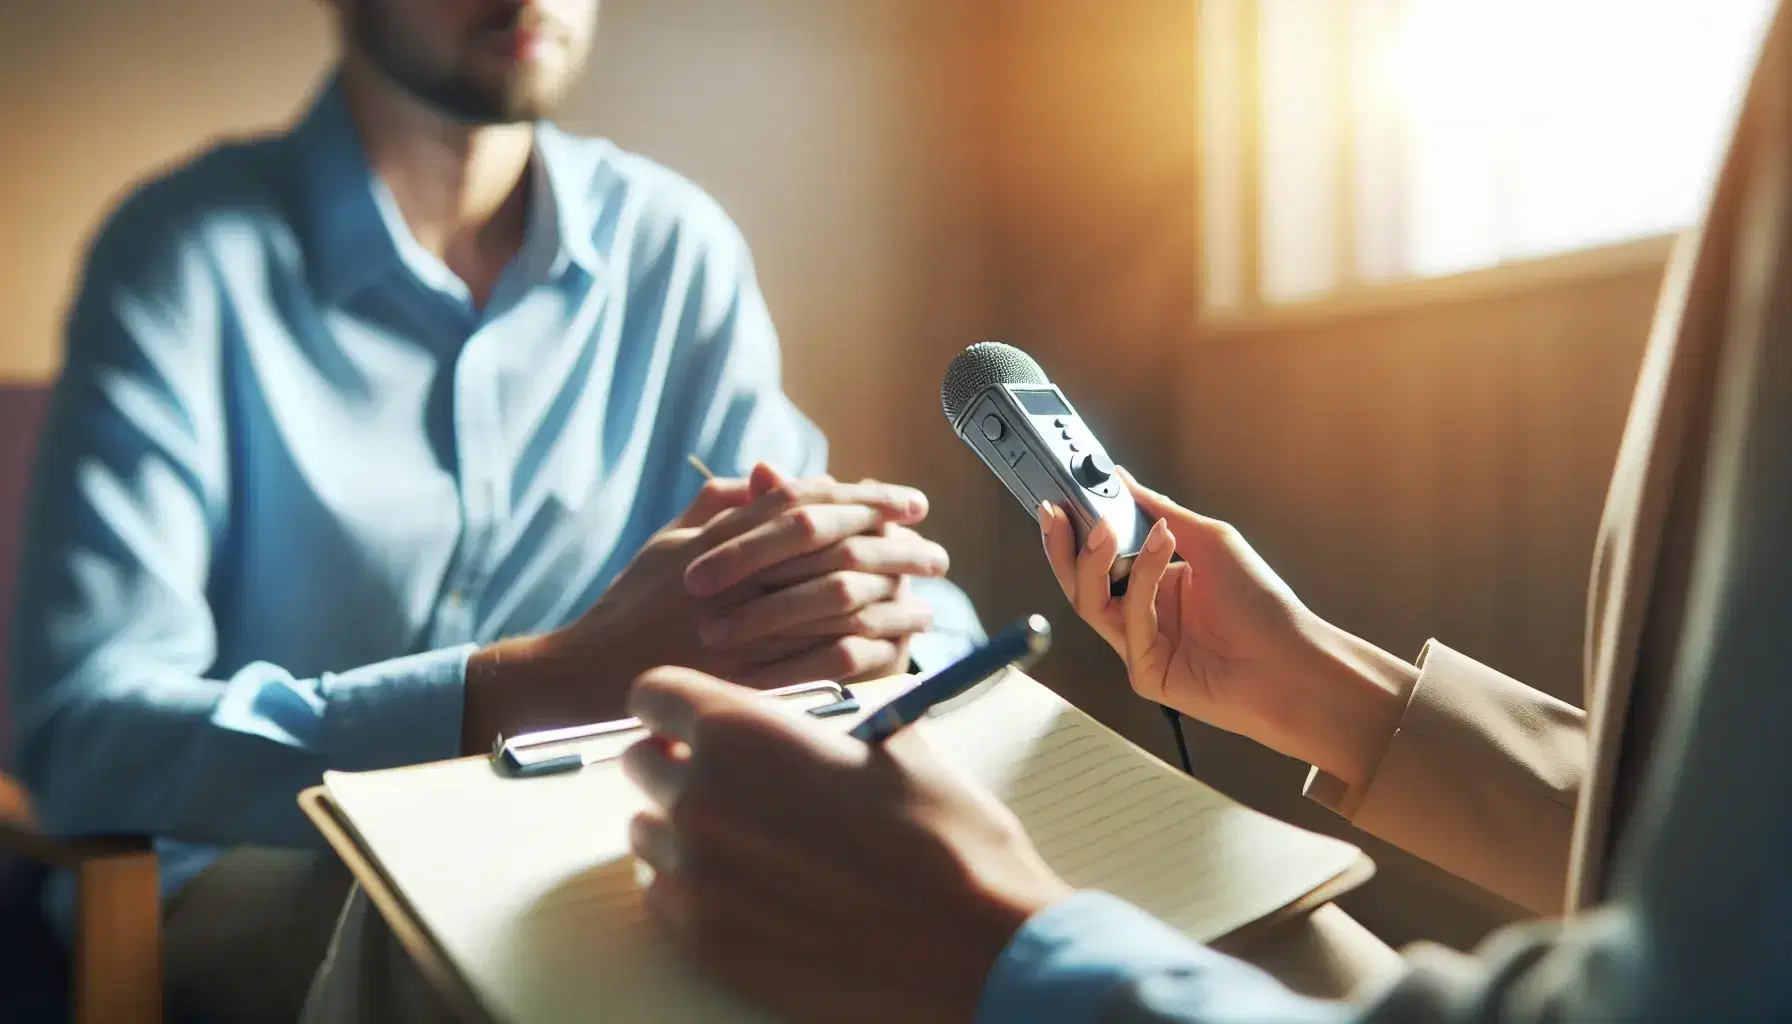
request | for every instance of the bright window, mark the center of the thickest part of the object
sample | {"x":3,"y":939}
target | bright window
{"x":1353,"y":142}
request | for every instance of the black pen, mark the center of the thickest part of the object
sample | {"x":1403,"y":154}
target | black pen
{"x":1020,"y":645}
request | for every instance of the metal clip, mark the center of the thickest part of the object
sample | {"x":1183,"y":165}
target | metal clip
{"x":523,"y":756}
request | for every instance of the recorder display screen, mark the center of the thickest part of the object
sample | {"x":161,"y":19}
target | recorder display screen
{"x":1043,"y":403}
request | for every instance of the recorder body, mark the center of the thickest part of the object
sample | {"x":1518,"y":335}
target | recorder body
{"x":1031,"y":437}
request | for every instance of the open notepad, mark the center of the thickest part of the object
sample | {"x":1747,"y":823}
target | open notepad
{"x":524,"y":890}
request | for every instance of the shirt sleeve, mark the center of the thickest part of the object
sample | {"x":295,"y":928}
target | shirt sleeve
{"x":957,"y":629}
{"x":1094,"y":958}
{"x":120,"y":727}
{"x":745,"y":417}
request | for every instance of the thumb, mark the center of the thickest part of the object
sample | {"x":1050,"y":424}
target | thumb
{"x":717,"y":495}
{"x":763,"y":480}
{"x":669,"y":701}
{"x":765,"y":477}
{"x":697,"y":709}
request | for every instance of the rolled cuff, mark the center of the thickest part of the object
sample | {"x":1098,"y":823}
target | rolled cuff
{"x":399,"y":712}
{"x":956,"y":628}
{"x":1334,"y":793}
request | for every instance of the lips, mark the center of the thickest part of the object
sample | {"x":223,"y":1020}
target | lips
{"x":524,"y":35}
{"x":528,"y":43}
{"x":520,"y":43}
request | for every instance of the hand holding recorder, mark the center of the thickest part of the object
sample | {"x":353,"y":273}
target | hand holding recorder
{"x":1217,"y":636}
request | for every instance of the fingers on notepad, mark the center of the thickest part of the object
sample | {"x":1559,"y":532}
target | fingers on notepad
{"x":651,"y":838}
{"x":660,"y":767}
{"x":668,"y":701}
{"x":687,"y":711}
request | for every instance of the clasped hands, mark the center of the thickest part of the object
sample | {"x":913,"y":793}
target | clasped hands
{"x":800,"y":580}
{"x":764,"y":581}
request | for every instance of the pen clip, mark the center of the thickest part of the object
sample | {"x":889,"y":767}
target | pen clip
{"x":522,"y":756}
{"x":946,"y":707}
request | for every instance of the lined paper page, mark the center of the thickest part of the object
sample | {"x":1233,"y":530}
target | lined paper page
{"x":528,"y":887}
{"x":1106,"y":815}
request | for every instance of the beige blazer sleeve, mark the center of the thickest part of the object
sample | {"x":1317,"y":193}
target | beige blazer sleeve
{"x":1480,"y":778}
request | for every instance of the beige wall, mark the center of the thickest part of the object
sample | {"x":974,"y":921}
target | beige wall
{"x":101,"y":90}
{"x":799,"y":115}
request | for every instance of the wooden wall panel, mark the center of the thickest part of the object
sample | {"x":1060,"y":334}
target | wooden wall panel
{"x":1430,"y":471}
{"x":22,"y":411}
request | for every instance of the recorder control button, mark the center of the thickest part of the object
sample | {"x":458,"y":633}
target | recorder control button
{"x":1060,"y":421}
{"x":1093,"y":470}
{"x":993,"y":428}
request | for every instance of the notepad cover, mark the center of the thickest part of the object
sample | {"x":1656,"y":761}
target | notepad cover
{"x":526,"y":889}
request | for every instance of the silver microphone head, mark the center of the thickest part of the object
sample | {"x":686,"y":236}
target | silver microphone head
{"x":981,"y":366}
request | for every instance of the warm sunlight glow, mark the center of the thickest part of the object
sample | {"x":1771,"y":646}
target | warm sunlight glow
{"x":1374,"y":140}
{"x":1535,"y":126}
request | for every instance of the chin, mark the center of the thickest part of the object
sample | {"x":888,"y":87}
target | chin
{"x":496,"y":106}
{"x":527,"y":95}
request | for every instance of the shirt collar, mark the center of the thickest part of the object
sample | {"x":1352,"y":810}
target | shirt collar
{"x":564,"y":197}
{"x":347,"y":239}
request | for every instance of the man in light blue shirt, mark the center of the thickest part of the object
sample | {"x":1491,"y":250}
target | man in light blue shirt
{"x":372,"y":444}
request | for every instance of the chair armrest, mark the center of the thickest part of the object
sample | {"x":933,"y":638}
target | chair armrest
{"x":27,"y":841}
{"x":118,"y":919}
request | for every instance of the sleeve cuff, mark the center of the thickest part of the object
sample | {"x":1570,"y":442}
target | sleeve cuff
{"x":1480,"y":778}
{"x":956,"y":627}
{"x":399,"y":712}
{"x":1067,"y":959}
{"x":930,"y":651}
{"x":1343,"y":798}
{"x":1333,"y":793}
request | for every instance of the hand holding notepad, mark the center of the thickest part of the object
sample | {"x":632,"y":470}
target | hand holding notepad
{"x":521,"y":892}
{"x":829,"y":878}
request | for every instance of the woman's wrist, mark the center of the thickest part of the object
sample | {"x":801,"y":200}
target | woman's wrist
{"x":1358,"y":704}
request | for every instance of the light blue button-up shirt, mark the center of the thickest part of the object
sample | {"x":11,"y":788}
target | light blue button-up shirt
{"x":293,"y":475}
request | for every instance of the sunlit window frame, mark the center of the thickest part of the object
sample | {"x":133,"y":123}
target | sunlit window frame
{"x":1239,"y":245}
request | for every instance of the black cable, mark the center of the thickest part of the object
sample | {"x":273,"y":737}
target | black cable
{"x":1175,"y":718}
